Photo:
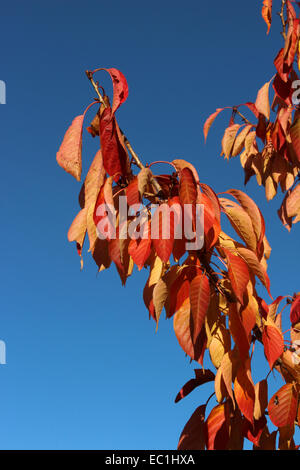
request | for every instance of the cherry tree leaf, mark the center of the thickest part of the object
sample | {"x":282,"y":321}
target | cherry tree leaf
{"x":202,"y":376}
{"x":262,"y":100}
{"x":69,"y":153}
{"x":217,"y":427}
{"x":209,"y":121}
{"x":238,"y":274}
{"x":244,"y":391}
{"x":282,"y":407}
{"x":199,"y":298}
{"x":267,"y":13}
{"x":193,"y":436}
{"x":273,"y":343}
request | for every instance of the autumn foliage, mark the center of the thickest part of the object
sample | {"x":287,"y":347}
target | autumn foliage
{"x":210,"y":294}
{"x":268,"y":141}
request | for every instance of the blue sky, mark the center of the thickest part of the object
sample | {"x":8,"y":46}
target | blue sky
{"x":85,"y":368}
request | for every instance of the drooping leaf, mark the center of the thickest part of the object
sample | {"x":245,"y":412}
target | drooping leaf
{"x":115,"y":157}
{"x":253,"y":431}
{"x":244,"y":391}
{"x":261,"y":398}
{"x":140,"y":248}
{"x":238,"y":274}
{"x":187,"y":187}
{"x":217,"y":427}
{"x":262,"y":100}
{"x":199,"y":298}
{"x":182,"y":329}
{"x":202,"y":376}
{"x":69,"y":153}
{"x":238,"y":331}
{"x":240,"y":221}
{"x":282,"y":407}
{"x":273,"y":343}
{"x":209,"y":121}
{"x":120,"y":87}
{"x":255,"y":266}
{"x":193,"y":436}
{"x":267,"y":13}
{"x":228,"y":139}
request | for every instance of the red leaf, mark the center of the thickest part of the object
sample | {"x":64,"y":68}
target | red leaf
{"x":182,"y":329}
{"x":199,"y":298}
{"x":140,"y":248}
{"x":217,"y":427}
{"x":244,"y":391}
{"x":202,"y":376}
{"x":238,"y":331}
{"x":238,"y":274}
{"x":273,"y":343}
{"x":120,"y":87}
{"x":187,"y":187}
{"x":254,"y":431}
{"x":295,"y":311}
{"x":132,"y":193}
{"x":179,"y":292}
{"x":192,"y":436}
{"x":282,"y":407}
{"x":164,"y":221}
{"x":115,"y":158}
{"x":69,"y":153}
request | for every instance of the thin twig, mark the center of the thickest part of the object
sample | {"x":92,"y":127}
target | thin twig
{"x":283,"y":22}
{"x":135,"y":157}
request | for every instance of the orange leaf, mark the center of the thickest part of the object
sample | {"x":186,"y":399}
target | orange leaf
{"x":273,"y":343}
{"x":238,"y":331}
{"x":217,"y":427}
{"x":282,"y":407}
{"x":140,"y":248}
{"x":244,"y":391}
{"x":267,"y":13}
{"x":187,"y":187}
{"x":238,"y":274}
{"x":69,"y":153}
{"x":199,"y":298}
{"x":182,"y":329}
{"x":209,"y":121}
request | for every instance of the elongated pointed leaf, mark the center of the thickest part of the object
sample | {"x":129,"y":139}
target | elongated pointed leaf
{"x":69,"y":153}
{"x":282,"y":407}
{"x":202,"y":376}
{"x":262,"y":100}
{"x":199,"y":298}
{"x":209,"y":121}
{"x":238,"y":274}
{"x":273,"y":343}
{"x":217,"y":427}
{"x":267,"y":13}
{"x":244,"y":391}
{"x":192,"y":436}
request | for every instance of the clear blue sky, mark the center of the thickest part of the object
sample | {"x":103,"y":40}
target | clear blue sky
{"x":85,"y":369}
